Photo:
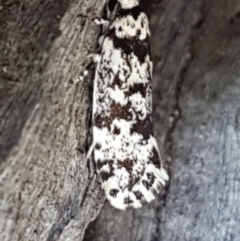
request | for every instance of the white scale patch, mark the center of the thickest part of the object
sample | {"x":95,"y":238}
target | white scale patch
{"x":125,"y":151}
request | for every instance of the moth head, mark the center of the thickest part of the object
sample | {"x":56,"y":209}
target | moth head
{"x":126,"y":4}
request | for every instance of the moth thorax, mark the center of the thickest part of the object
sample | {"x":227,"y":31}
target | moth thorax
{"x":126,"y":4}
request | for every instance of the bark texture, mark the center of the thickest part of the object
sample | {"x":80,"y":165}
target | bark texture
{"x":48,"y":191}
{"x":196,"y":52}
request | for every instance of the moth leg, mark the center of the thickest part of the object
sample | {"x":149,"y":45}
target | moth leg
{"x":100,"y":21}
{"x":93,"y":54}
{"x":81,"y":77}
{"x":95,"y":58}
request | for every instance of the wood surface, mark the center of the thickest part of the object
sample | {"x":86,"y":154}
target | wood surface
{"x":48,"y":191}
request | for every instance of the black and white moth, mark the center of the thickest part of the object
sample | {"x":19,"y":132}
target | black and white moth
{"x":125,"y":150}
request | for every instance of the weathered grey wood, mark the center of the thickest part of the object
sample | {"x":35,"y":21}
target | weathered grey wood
{"x":196,"y":51}
{"x":48,"y":191}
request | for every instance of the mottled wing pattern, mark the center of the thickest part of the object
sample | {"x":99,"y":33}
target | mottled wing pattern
{"x":125,"y":151}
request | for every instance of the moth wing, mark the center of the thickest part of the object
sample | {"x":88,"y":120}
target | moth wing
{"x":126,"y":153}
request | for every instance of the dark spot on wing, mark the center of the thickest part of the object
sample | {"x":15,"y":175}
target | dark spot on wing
{"x":141,"y":88}
{"x":154,"y":159}
{"x":138,"y":195}
{"x":98,"y":146}
{"x":140,"y":48}
{"x":99,"y":120}
{"x":119,"y":112}
{"x":135,"y":179}
{"x":100,"y":164}
{"x":134,"y":12}
{"x":151,"y":178}
{"x":106,"y":175}
{"x":146,"y":184}
{"x":113,"y":192}
{"x":143,"y":127}
{"x":116,"y":130}
{"x":127,"y":200}
{"x":127,"y":164}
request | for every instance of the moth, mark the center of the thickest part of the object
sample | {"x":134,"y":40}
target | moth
{"x":125,"y":151}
